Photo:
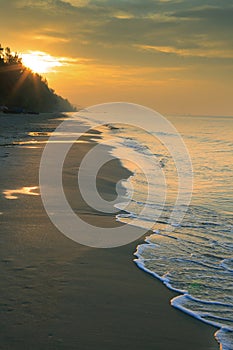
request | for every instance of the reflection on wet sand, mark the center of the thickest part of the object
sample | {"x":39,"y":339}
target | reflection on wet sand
{"x":13,"y":194}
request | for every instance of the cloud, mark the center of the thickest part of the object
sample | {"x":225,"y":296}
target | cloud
{"x":128,"y":44}
{"x":204,"y":52}
{"x":45,"y":4}
{"x":208,"y":13}
{"x":112,"y":31}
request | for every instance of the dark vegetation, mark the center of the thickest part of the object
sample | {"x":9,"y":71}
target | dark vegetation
{"x":26,"y":91}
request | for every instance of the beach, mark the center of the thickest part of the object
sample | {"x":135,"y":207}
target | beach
{"x":58,"y":294}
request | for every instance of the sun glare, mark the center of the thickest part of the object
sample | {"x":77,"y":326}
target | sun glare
{"x":40,"y":62}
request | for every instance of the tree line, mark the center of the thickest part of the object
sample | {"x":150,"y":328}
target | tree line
{"x":22,"y":89}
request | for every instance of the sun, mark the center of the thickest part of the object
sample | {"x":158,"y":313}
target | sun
{"x":40,"y":62}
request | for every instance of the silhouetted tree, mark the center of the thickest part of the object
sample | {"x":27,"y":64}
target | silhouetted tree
{"x":20,"y":87}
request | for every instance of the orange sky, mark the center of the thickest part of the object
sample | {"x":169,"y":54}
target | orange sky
{"x":172,"y":55}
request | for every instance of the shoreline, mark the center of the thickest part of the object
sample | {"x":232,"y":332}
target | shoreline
{"x":68,"y":296}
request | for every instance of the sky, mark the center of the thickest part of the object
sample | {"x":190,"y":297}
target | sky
{"x":175,"y":56}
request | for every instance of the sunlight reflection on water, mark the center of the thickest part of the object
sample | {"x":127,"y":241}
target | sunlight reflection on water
{"x":13,"y":194}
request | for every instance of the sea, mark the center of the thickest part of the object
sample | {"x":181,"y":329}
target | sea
{"x":193,"y":257}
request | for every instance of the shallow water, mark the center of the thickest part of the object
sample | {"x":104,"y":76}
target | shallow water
{"x":193,"y":257}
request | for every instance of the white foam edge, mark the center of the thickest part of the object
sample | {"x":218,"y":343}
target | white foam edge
{"x":176,"y":301}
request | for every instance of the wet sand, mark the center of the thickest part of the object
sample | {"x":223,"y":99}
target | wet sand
{"x":57,"y":294}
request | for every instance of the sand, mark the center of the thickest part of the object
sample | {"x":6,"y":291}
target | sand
{"x":57,"y":294}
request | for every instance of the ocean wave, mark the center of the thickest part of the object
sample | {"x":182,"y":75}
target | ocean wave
{"x":192,"y":257}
